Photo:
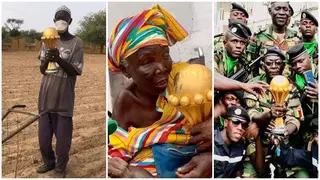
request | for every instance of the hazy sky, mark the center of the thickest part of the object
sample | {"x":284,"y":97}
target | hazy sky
{"x":39,"y":15}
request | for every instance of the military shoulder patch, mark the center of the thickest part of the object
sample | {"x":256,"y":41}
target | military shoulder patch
{"x":250,"y":103}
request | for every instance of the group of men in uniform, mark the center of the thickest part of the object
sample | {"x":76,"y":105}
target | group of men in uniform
{"x":245,"y":144}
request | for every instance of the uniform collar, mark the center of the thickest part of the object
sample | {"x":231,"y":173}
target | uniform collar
{"x":289,"y":33}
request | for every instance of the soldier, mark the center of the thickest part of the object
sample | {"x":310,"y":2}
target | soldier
{"x":262,"y":109}
{"x":237,"y":13}
{"x":228,"y":60}
{"x":300,"y":62}
{"x":276,"y":34}
{"x":308,"y":29}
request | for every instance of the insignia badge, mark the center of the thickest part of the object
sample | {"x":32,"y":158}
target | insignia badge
{"x":264,"y":51}
{"x":234,"y":30}
{"x":251,"y":103}
{"x":304,"y":15}
{"x":291,"y":43}
{"x":237,"y":111}
{"x":269,"y":43}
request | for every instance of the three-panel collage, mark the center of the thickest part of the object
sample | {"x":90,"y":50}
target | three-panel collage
{"x":159,"y":89}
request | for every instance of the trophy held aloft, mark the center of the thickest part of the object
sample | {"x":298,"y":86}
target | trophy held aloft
{"x":279,"y":88}
{"x":192,"y":94}
{"x":50,"y":37}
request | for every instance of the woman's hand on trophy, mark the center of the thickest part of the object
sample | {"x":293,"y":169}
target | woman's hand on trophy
{"x":278,"y":110}
{"x":202,"y":135}
{"x":52,"y":54}
{"x":312,"y":90}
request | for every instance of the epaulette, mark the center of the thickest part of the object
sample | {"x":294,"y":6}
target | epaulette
{"x":292,"y":33}
{"x":261,"y":30}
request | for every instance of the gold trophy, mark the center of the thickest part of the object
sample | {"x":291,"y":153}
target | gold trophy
{"x":279,"y":88}
{"x":50,"y":37}
{"x":192,"y":94}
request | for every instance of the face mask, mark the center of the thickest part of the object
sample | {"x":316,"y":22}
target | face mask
{"x":61,"y":26}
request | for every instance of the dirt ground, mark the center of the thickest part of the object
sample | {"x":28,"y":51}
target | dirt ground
{"x":20,"y":85}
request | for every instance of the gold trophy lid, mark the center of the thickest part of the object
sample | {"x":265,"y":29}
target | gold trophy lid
{"x":193,"y":79}
{"x":50,"y":33}
{"x":280,"y":82}
{"x":192,"y":86}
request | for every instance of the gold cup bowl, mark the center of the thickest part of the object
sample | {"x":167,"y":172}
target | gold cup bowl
{"x":192,"y":93}
{"x":279,"y":88}
{"x":50,"y":37}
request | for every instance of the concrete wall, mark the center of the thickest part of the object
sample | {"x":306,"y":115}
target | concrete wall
{"x":196,"y":18}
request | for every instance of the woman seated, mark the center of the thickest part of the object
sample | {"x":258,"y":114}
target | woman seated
{"x":150,"y":140}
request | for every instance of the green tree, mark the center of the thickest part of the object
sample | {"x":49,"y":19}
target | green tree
{"x":93,"y":29}
{"x":14,"y":25}
{"x":5,"y":35}
{"x":31,"y":35}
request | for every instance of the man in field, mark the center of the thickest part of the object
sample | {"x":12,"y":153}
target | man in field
{"x":57,"y":92}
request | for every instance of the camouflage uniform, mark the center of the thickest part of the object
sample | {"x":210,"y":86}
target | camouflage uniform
{"x":310,"y":110}
{"x":218,"y":41}
{"x":262,"y":104}
{"x":265,"y":38}
{"x":220,"y":63}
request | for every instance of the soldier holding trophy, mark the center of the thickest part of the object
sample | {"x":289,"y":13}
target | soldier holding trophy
{"x":61,"y":57}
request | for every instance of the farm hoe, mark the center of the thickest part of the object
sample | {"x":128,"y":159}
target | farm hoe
{"x":28,"y":122}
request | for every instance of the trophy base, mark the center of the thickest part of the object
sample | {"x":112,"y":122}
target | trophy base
{"x":51,"y":71}
{"x":279,"y":130}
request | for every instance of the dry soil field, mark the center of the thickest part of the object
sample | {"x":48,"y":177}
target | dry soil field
{"x":20,"y":85}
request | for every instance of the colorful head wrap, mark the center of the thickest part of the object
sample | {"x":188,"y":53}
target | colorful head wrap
{"x":152,"y":26}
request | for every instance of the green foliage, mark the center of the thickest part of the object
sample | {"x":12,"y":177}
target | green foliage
{"x":14,"y":25}
{"x":31,"y":35}
{"x":93,"y":29}
{"x":5,"y":35}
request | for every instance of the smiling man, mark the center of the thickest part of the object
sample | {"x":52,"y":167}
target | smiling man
{"x":263,"y":109}
{"x":228,"y":61}
{"x":229,"y":144}
{"x":275,"y":34}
